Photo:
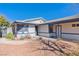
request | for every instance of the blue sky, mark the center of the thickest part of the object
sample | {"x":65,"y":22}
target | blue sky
{"x":21,"y":11}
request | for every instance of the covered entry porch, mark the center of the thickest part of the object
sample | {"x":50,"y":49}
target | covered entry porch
{"x":55,"y":30}
{"x":21,"y":29}
{"x":50,"y":30}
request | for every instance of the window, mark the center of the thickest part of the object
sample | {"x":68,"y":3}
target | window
{"x":77,"y":25}
{"x":73,"y":25}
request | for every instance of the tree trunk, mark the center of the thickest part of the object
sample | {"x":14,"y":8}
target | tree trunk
{"x":0,"y":32}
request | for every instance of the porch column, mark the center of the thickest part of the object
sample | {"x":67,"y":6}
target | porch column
{"x":50,"y":26}
{"x":28,"y":29}
{"x":15,"y":29}
{"x":36,"y":28}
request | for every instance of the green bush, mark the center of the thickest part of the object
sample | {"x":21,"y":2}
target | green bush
{"x":10,"y":36}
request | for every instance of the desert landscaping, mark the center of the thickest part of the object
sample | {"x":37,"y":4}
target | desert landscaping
{"x":39,"y":47}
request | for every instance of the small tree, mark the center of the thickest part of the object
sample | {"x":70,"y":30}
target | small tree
{"x":3,"y":24}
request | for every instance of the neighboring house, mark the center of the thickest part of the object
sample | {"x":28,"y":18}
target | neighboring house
{"x":67,"y":27}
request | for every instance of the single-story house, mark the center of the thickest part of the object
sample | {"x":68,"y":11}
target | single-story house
{"x":26,"y":27}
{"x":67,"y":27}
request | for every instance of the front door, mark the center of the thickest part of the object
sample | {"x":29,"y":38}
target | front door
{"x":58,"y":31}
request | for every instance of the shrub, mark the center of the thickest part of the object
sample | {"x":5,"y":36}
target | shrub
{"x":10,"y":36}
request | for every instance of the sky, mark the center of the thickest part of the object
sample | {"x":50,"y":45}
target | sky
{"x":49,"y":11}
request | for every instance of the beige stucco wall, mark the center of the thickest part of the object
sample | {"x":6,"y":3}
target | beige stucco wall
{"x":43,"y":30}
{"x":32,"y":30}
{"x":67,"y":28}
